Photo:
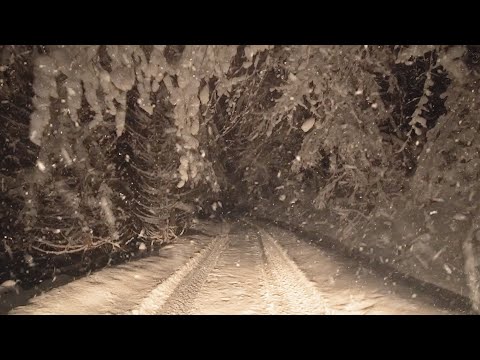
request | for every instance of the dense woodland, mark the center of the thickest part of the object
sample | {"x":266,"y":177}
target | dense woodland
{"x":106,"y":151}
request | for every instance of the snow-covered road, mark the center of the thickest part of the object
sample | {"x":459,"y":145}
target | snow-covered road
{"x":235,"y":268}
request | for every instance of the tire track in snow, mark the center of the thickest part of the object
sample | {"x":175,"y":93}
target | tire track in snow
{"x":284,"y":288}
{"x":235,"y":284}
{"x":348,"y":287}
{"x":176,"y":294}
{"x":287,"y":289}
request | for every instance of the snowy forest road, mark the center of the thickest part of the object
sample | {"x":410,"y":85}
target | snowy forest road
{"x":235,"y":268}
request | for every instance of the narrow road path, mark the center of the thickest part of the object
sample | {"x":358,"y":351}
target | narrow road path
{"x":240,"y":268}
